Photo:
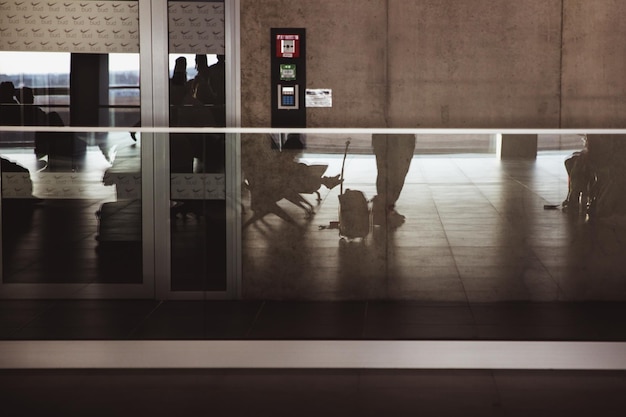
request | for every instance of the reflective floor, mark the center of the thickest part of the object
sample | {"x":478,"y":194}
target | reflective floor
{"x":309,"y":320}
{"x":312,"y":393}
{"x":69,"y":232}
{"x":479,"y":257}
{"x":477,"y":229}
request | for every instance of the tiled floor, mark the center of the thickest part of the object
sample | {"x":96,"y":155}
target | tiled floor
{"x":312,"y":393}
{"x":476,"y":231}
{"x":478,"y":259}
{"x":306,"y":320}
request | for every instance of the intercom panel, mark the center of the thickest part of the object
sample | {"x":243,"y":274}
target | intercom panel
{"x":288,"y":77}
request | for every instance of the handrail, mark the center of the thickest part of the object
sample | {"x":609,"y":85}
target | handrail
{"x":319,"y":130}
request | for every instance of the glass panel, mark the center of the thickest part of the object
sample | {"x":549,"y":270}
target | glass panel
{"x":73,"y":215}
{"x":197,"y":161}
{"x":71,"y":201}
{"x":453,"y":226}
{"x":27,"y":82}
{"x":123,"y":104}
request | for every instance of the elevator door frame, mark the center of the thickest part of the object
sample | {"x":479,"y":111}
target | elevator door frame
{"x":155,"y":177}
{"x":160,"y":118}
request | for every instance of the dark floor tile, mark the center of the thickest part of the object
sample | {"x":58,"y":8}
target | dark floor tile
{"x":550,"y":321}
{"x":199,"y":320}
{"x":413,"y":312}
{"x":87,"y":319}
{"x":407,"y":320}
{"x":230,"y":319}
{"x":571,"y":393}
{"x":309,"y":320}
{"x":173,"y":320}
{"x":18,"y":313}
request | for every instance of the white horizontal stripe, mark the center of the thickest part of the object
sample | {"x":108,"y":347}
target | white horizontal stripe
{"x":313,"y":354}
{"x":339,"y":131}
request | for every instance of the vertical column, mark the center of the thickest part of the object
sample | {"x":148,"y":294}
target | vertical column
{"x":233,"y":148}
{"x":514,"y":146}
{"x":149,"y":197}
{"x":89,"y":89}
{"x":157,"y":41}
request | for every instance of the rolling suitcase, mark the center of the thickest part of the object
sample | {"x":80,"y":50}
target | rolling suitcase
{"x":354,"y":218}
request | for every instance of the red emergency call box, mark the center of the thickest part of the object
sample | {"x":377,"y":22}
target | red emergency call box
{"x":287,"y":46}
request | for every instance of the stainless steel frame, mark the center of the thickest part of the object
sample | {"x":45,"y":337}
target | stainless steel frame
{"x":155,"y":173}
{"x":161,"y":157}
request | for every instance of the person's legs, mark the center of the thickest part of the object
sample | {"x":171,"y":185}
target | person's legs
{"x":400,"y":150}
{"x":393,"y":159}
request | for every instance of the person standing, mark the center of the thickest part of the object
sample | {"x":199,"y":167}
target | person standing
{"x":393,"y":159}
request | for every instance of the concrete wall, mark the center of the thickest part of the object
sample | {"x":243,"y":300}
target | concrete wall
{"x":476,"y":63}
{"x":345,"y":52}
{"x":594,"y":64}
{"x":446,"y":63}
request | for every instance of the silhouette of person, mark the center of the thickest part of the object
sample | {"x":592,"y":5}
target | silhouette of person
{"x":393,"y":159}
{"x":34,"y":116}
{"x":261,"y":159}
{"x":217,"y":82}
{"x":183,"y":112}
{"x":7,"y":93}
{"x":26,"y":95}
{"x":178,"y":82}
{"x":31,"y":115}
{"x":209,"y":86}
{"x":209,"y":149}
{"x":200,"y":87}
{"x":581,"y":178}
{"x":10,"y":113}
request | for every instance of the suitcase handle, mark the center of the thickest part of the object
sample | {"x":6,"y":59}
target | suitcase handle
{"x":343,"y":164}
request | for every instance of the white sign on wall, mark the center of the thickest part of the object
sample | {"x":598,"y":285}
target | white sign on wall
{"x":319,"y":97}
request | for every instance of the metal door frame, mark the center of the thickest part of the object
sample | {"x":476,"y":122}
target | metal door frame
{"x":156,"y":245}
{"x":160,"y":74}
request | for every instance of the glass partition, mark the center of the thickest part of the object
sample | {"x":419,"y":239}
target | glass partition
{"x":72,"y":214}
{"x":446,"y":224}
{"x":197,"y":98}
{"x":344,"y":235}
{"x":71,"y":199}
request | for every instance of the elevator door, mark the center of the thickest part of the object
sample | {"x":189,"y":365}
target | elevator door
{"x":195,"y":258}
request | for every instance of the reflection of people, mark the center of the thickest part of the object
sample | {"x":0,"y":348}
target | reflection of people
{"x":217,"y":81}
{"x":32,"y":115}
{"x":17,"y":211}
{"x":393,"y":159}
{"x":178,"y":82}
{"x":7,"y":93}
{"x":606,"y":154}
{"x":185,"y":110}
{"x":62,"y":148}
{"x":208,"y":88}
{"x":10,"y":113}
{"x":259,"y":161}
{"x":200,"y":86}
{"x":581,"y":178}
